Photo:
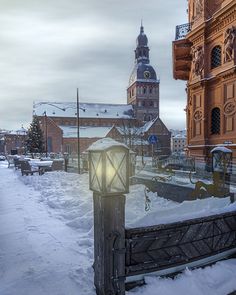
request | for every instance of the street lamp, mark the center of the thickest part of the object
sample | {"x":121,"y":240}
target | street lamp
{"x":221,"y":160}
{"x":46,"y":131}
{"x":109,"y":180}
{"x":222,"y":168}
{"x":109,"y":167}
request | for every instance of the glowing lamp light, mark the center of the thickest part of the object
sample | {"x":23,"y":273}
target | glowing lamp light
{"x":221,"y":159}
{"x":108,"y":167}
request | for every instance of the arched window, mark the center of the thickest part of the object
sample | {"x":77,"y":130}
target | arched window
{"x":215,"y":121}
{"x":216,"y":57}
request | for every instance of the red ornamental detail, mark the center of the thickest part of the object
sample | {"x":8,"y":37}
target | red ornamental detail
{"x":197,"y":115}
{"x":229,"y":108}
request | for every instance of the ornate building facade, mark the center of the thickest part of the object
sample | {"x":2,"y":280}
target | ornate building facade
{"x":204,"y":54}
{"x":132,"y":123}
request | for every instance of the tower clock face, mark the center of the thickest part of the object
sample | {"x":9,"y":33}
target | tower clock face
{"x":147,"y":74}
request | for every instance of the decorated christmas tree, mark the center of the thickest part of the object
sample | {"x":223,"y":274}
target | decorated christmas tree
{"x":35,"y":141}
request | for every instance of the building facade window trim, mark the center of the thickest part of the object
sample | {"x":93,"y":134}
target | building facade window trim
{"x":215,"y":120}
{"x":216,"y":56}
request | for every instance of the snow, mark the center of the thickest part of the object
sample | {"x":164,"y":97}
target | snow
{"x":46,"y":237}
{"x":221,"y":149}
{"x":105,"y":143}
{"x":85,"y":132}
{"x":86,"y":110}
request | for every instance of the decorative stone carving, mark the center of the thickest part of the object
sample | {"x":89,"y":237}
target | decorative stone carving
{"x":229,"y":44}
{"x":229,"y":107}
{"x":197,"y":60}
{"x":199,"y":8}
{"x":197,"y":115}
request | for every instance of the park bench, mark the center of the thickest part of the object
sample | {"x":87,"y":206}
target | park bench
{"x":10,"y":161}
{"x":26,"y":169}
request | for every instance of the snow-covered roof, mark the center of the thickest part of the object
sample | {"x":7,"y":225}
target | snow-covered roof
{"x":221,"y":149}
{"x":132,"y":131}
{"x":86,"y":110}
{"x":179,"y":136}
{"x":21,"y":131}
{"x":85,"y":132}
{"x":148,"y":125}
{"x":105,"y":143}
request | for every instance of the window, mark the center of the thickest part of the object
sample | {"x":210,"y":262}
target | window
{"x":216,"y":57}
{"x":144,"y":90}
{"x":150,"y":90}
{"x":215,"y":121}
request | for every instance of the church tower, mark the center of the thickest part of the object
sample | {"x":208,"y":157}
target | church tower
{"x":143,"y":89}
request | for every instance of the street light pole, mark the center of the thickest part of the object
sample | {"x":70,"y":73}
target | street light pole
{"x":46,"y":132}
{"x":78,"y":135}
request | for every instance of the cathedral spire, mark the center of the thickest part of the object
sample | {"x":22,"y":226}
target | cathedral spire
{"x":142,"y":50}
{"x":141,"y":28}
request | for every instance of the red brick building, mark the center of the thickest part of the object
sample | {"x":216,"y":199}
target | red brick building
{"x":132,"y":123}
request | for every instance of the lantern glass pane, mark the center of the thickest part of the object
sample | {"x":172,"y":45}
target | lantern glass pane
{"x":217,"y":165}
{"x":116,"y":171}
{"x":96,"y":171}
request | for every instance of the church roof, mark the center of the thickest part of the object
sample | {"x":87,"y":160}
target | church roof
{"x":85,"y":131}
{"x":87,"y":110}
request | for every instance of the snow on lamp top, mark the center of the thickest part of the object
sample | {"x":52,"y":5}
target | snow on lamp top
{"x":221,"y":149}
{"x":221,"y":159}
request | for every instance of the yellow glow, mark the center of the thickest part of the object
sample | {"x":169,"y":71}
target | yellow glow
{"x":111,"y":172}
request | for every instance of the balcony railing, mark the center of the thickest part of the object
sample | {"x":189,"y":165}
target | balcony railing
{"x":182,"y":31}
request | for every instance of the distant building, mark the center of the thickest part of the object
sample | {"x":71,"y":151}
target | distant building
{"x":13,"y":142}
{"x":132,"y":123}
{"x":178,"y":143}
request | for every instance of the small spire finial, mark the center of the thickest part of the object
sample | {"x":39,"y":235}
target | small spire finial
{"x":141,"y":28}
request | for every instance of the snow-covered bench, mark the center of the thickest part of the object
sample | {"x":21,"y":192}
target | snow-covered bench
{"x":10,"y":160}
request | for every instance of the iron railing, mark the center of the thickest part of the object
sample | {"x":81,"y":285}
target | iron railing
{"x":182,"y":31}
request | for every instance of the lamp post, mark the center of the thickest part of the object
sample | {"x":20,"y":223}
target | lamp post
{"x":46,"y":132}
{"x":78,"y":135}
{"x":78,"y":124}
{"x":222,"y":168}
{"x":109,"y":180}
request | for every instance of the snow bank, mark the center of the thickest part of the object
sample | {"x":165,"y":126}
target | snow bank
{"x":218,"y":279}
{"x":67,"y":198}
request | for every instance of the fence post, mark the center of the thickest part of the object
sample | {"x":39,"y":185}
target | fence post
{"x":109,"y":244}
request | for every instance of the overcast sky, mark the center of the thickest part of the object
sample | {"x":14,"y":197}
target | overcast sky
{"x":48,"y":48}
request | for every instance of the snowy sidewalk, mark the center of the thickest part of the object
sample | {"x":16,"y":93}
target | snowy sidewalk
{"x":38,"y":252}
{"x":46,"y":237}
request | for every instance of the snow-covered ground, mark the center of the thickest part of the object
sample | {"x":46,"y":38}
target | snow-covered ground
{"x":46,"y":237}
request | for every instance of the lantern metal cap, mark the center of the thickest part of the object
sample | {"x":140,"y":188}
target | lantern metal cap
{"x":221,"y":149}
{"x":105,"y":144}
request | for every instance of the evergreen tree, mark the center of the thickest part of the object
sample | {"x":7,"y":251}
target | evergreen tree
{"x":35,"y":141}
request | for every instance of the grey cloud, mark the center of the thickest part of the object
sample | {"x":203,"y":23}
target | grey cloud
{"x":50,"y":47}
